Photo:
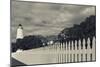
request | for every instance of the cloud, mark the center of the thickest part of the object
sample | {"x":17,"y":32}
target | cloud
{"x":46,"y":18}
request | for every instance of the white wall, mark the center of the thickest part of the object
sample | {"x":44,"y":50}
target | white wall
{"x":5,"y":33}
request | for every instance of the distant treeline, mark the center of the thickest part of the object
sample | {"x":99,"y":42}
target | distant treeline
{"x":85,"y":29}
{"x":28,"y":42}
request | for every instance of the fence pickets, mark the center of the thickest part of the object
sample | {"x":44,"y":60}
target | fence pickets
{"x":73,"y":51}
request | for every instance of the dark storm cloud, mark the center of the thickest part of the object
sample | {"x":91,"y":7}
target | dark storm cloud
{"x":45,"y":18}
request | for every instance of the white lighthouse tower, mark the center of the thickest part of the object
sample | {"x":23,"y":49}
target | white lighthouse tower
{"x":19,"y":32}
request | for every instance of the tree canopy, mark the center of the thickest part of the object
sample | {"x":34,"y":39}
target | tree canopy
{"x":85,"y":29}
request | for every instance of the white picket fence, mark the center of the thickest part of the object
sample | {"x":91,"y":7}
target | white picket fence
{"x":60,"y":53}
{"x":70,"y":52}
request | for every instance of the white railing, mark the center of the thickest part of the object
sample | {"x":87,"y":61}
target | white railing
{"x":60,"y":53}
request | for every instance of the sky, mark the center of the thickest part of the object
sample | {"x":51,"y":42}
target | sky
{"x":46,"y":18}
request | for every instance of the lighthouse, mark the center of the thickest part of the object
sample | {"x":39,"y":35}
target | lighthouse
{"x":19,"y":32}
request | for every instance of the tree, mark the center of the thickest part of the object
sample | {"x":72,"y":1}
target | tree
{"x":85,"y":29}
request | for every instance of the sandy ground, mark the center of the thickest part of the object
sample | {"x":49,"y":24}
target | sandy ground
{"x":36,"y":56}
